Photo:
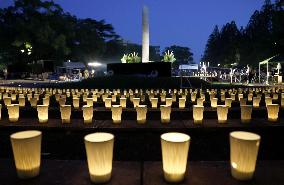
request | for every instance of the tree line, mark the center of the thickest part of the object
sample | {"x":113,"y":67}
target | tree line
{"x":32,"y":30}
{"x":262,"y":38}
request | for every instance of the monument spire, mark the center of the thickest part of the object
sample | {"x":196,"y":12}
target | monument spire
{"x":145,"y":35}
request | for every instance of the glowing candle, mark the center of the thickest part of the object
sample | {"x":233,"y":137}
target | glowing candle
{"x":181,"y":103}
{"x":243,"y":153}
{"x":200,"y":101}
{"x":13,"y":111}
{"x":141,"y":113}
{"x":198,"y":114}
{"x":228,"y":102}
{"x":243,"y":101}
{"x":76,"y":103}
{"x":65,"y":111}
{"x":246,"y":111}
{"x":108,"y":102}
{"x":42,"y":112}
{"x":136,"y":102}
{"x":165,"y":113}
{"x":222,"y":112}
{"x":7,"y":101}
{"x":22,"y":101}
{"x":154,"y":102}
{"x":99,"y":150}
{"x":268,"y":100}
{"x":26,"y":147}
{"x":116,"y":114}
{"x":90,"y":102}
{"x":122,"y":102}
{"x":272,"y":112}
{"x":214,"y":102}
{"x":169,"y":102}
{"x":88,"y":113}
{"x":256,"y":101}
{"x":174,"y":153}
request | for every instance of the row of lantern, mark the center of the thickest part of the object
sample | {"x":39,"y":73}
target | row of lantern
{"x":88,"y":111}
{"x":244,"y":147}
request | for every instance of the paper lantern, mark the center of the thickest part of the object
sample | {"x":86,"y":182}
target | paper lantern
{"x":243,"y":153}
{"x":275,"y":96}
{"x":33,"y":102}
{"x":113,"y":98}
{"x":42,"y":112}
{"x":223,"y":97}
{"x":108,"y":102}
{"x":282,"y":102}
{"x":165,"y":113}
{"x":7,"y":101}
{"x":141,"y":113}
{"x":22,"y":101}
{"x":272,"y":112}
{"x":181,"y":103}
{"x":243,"y":101}
{"x":136,"y":102}
{"x":62,"y":101}
{"x":169,"y":102}
{"x":90,"y":102}
{"x":222,"y":113}
{"x":26,"y":147}
{"x":240,"y":96}
{"x":193,"y":97}
{"x":95,"y":98}
{"x":246,"y":111}
{"x":65,"y":111}
{"x":163,"y":97}
{"x":88,"y":113}
{"x":116,"y":114}
{"x":198,"y":114}
{"x":200,"y":101}
{"x":154,"y":102}
{"x":14,"y":97}
{"x":174,"y":154}
{"x":250,"y":96}
{"x":268,"y":100}
{"x":76,"y":103}
{"x":13,"y":111}
{"x":228,"y":102}
{"x":255,"y":102}
{"x":99,"y":150}
{"x":122,"y":102}
{"x":233,"y":96}
{"x":214,"y":102}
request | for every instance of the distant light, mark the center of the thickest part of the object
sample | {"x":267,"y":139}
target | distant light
{"x":94,"y":64}
{"x":19,"y":85}
{"x":22,"y":50}
{"x":219,"y":64}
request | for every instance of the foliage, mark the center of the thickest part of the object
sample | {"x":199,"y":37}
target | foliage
{"x":131,"y":58}
{"x":262,"y":38}
{"x":169,"y":57}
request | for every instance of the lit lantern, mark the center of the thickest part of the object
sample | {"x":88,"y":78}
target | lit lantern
{"x":113,"y":98}
{"x":26,"y":147}
{"x":45,"y":101}
{"x":223,"y":97}
{"x":222,"y":112}
{"x":76,"y":103}
{"x":154,"y":102}
{"x":228,"y":102}
{"x":0,"y":111}
{"x":90,"y":102}
{"x":122,"y":102}
{"x":57,"y":97}
{"x":200,"y":101}
{"x":163,"y":97}
{"x":174,"y":153}
{"x":99,"y":150}
{"x":165,"y":113}
{"x":33,"y":102}
{"x":141,"y":114}
{"x":62,"y":101}
{"x":214,"y":102}
{"x":88,"y":113}
{"x":108,"y":102}
{"x":198,"y":113}
{"x":7,"y":101}
{"x":22,"y":101}
{"x":14,"y":97}
{"x":233,"y":96}
{"x":275,"y":96}
{"x":240,"y":96}
{"x":65,"y":111}
{"x":116,"y":114}
{"x":136,"y":102}
{"x":169,"y":102}
{"x":95,"y":98}
{"x":13,"y":111}
{"x":42,"y":112}
{"x":268,"y":100}
{"x":243,"y":153}
{"x":256,"y":101}
{"x":243,"y":101}
{"x":272,"y":112}
{"x":250,"y":96}
{"x":181,"y":103}
{"x":282,"y":102}
{"x":246,"y":111}
{"x":193,"y":97}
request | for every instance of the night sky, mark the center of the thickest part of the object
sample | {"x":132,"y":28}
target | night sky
{"x":181,"y":22}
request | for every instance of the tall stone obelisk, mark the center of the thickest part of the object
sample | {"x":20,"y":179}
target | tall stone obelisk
{"x":145,"y":35}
